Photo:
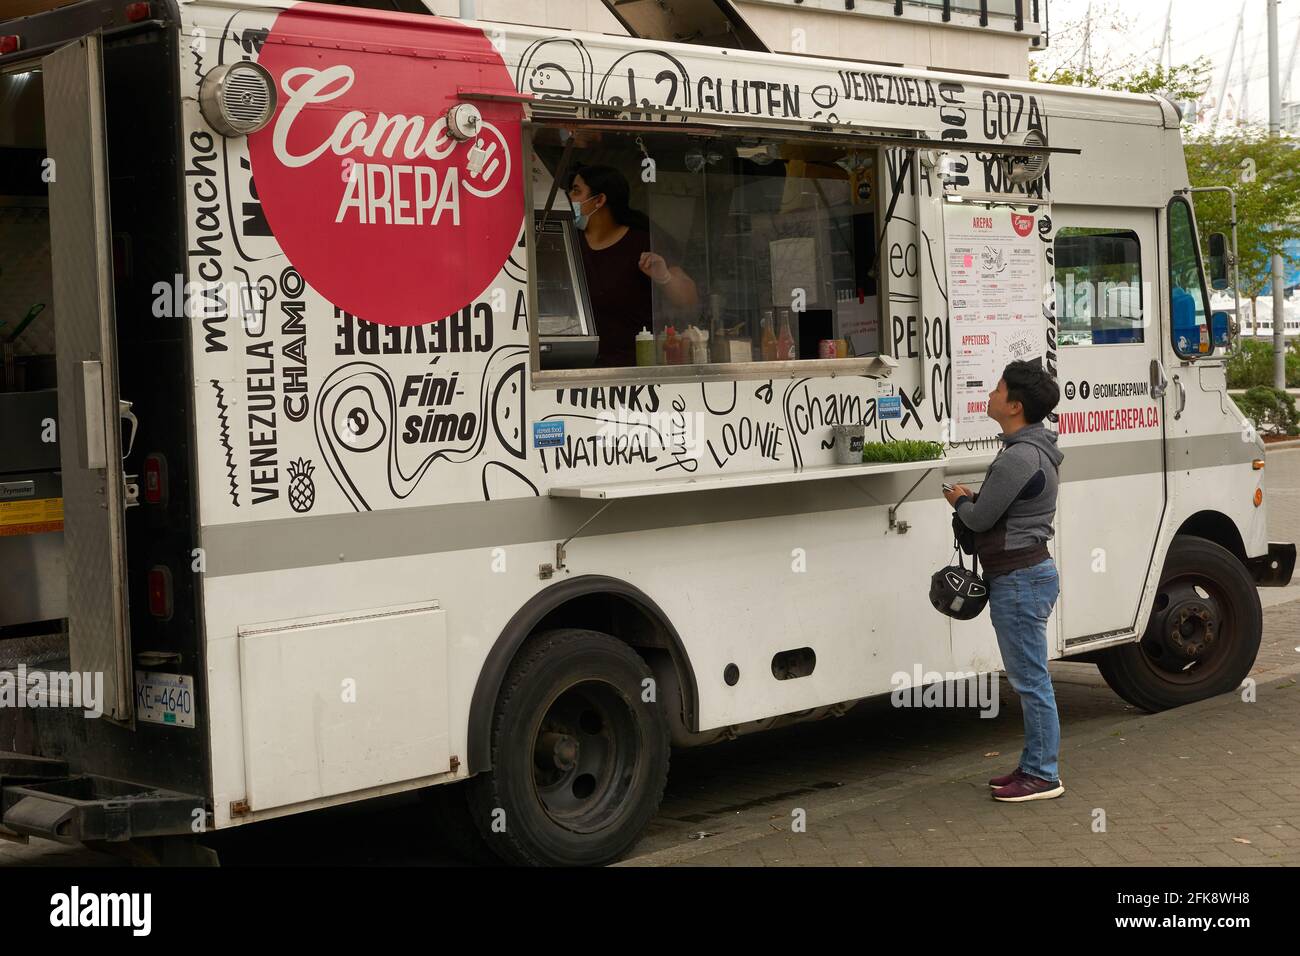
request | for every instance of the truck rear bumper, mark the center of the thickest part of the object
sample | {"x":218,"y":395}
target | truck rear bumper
{"x":36,"y":801}
{"x":1273,"y":570}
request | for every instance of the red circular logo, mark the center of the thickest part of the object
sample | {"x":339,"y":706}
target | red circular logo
{"x":1023,"y":225}
{"x":378,"y":207}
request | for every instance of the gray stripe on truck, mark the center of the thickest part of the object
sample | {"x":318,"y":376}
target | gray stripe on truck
{"x":301,"y":542}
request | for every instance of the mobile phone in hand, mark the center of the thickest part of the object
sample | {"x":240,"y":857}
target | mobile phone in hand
{"x":948,"y":487}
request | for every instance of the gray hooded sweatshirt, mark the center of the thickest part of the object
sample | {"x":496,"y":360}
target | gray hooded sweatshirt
{"x":1013,"y":511}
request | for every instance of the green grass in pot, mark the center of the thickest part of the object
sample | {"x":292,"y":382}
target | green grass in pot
{"x":906,"y":449}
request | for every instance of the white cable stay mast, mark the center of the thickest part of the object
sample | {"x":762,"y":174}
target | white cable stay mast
{"x":1227,"y":69}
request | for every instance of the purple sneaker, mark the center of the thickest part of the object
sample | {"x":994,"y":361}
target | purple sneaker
{"x":1002,"y":781}
{"x":1029,"y":787}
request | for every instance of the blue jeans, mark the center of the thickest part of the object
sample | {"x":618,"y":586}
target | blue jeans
{"x":1020,"y":602}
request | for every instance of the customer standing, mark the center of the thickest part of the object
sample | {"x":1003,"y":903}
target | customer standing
{"x":1012,"y":520}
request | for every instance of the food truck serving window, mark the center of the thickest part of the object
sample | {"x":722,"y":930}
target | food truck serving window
{"x":678,"y":249}
{"x":1187,"y":296}
{"x":1098,"y":286}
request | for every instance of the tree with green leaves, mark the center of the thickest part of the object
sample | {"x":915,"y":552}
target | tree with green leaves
{"x":1252,"y":365}
{"x":1265,"y":172}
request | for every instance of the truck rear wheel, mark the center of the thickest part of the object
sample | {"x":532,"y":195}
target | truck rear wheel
{"x":579,"y":760}
{"x":1203,"y":634}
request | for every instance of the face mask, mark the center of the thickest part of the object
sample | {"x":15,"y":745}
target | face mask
{"x":580,"y":218}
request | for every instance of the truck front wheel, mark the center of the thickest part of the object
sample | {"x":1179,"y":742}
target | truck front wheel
{"x":579,"y":755}
{"x":1203,"y":634}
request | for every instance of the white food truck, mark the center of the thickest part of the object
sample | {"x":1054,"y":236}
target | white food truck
{"x":360,"y":489}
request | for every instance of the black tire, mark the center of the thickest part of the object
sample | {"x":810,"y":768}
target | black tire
{"x":1203,"y":634}
{"x":579,"y":760}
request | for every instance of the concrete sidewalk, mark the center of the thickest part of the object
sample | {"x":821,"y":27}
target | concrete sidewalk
{"x":894,"y":786}
{"x":1213,"y":783}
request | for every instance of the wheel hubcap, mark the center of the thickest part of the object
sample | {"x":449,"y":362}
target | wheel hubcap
{"x":585,"y":754}
{"x":1191,"y":630}
{"x":1187,"y":627}
{"x":556,"y":751}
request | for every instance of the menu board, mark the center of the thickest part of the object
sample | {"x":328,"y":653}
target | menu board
{"x":995,"y":305}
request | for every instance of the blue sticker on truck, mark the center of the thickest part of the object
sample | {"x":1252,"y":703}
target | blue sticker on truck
{"x":548,"y":434}
{"x":889,"y":406}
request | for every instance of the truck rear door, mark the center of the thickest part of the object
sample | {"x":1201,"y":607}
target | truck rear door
{"x":90,"y":416}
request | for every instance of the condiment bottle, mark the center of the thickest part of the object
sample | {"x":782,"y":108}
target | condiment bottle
{"x":698,"y":341}
{"x":768,"y":338}
{"x":785,"y":347}
{"x":719,"y":351}
{"x":645,"y":347}
{"x":718,"y":348}
{"x":672,"y":346}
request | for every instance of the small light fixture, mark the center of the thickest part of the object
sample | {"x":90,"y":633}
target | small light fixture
{"x":1022,"y":170}
{"x":159,"y":582}
{"x":464,"y":121}
{"x":237,"y":98}
{"x":10,"y":44}
{"x":155,"y":479}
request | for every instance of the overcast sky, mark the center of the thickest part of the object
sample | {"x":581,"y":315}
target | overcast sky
{"x":1199,"y":27}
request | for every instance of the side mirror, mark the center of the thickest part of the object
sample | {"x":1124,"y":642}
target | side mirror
{"x":1220,"y":330}
{"x":1218,"y":261}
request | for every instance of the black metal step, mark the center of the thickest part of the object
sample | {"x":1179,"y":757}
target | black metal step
{"x":20,"y":768}
{"x":88,"y":807}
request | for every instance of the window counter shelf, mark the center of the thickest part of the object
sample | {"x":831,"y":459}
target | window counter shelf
{"x":669,"y":486}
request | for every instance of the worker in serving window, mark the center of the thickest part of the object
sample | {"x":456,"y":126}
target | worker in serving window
{"x":623,"y":272}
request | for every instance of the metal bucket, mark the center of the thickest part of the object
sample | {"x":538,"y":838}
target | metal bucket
{"x":848,"y":440}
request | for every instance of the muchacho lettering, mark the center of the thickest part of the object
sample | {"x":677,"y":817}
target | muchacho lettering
{"x":201,"y":182}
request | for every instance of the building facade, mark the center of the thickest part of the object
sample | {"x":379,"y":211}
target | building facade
{"x":991,"y":37}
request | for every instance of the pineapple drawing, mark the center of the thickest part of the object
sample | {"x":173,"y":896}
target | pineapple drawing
{"x":302,"y":490}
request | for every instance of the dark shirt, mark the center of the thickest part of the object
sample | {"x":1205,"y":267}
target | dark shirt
{"x":620,"y":296}
{"x":1014,"y":514}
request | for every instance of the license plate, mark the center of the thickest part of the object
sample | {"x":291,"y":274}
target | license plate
{"x":164,"y":698}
